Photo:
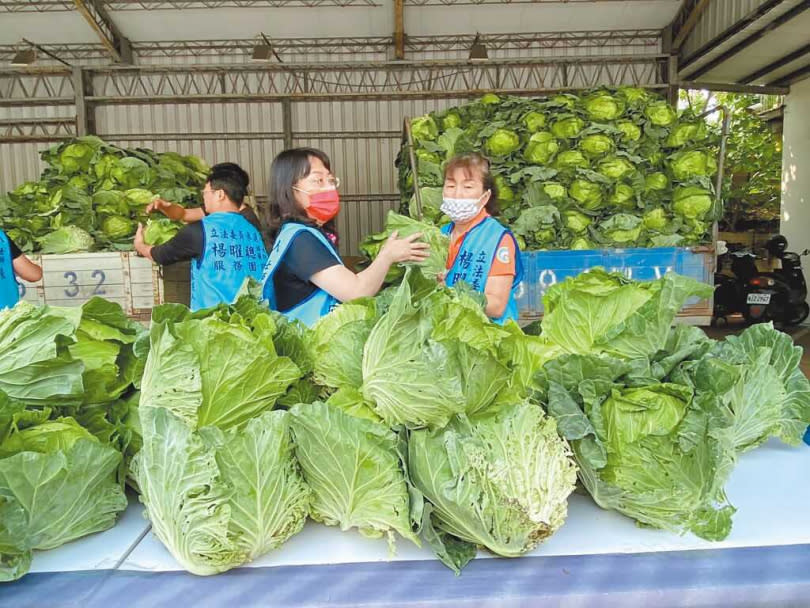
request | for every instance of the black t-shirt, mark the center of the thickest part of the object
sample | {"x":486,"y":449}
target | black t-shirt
{"x":15,"y":251}
{"x":189,"y":242}
{"x":305,"y":256}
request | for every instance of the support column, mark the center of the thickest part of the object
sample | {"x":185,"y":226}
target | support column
{"x":286,"y":123}
{"x":796,"y":169}
{"x":85,"y":113}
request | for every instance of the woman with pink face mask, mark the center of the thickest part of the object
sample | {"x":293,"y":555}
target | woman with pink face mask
{"x":304,"y":277}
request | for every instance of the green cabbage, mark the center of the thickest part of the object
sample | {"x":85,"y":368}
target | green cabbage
{"x":692,"y":163}
{"x":684,"y":133}
{"x":555,"y":190}
{"x":596,"y":145}
{"x":534,"y":121}
{"x":116,"y":227}
{"x":692,"y":202}
{"x":507,"y":509}
{"x":451,"y":120}
{"x":603,"y":106}
{"x":160,"y":230}
{"x":622,"y":229}
{"x":503,"y":142}
{"x":67,"y":239}
{"x":656,"y":182}
{"x":541,"y":148}
{"x":570,"y":159}
{"x":576,"y":221}
{"x":623,"y":196}
{"x":615,"y":167}
{"x":630,"y":130}
{"x":656,"y":219}
{"x":587,"y":194}
{"x":424,"y":129}
{"x":660,"y":113}
{"x":567,"y":128}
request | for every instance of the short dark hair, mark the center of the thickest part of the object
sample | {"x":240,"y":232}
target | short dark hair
{"x":287,"y":169}
{"x":230,"y":178}
{"x":476,"y":165}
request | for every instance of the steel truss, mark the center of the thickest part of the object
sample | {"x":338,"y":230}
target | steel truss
{"x":204,"y":84}
{"x":648,"y":39}
{"x":41,"y":86}
{"x":22,"y":130}
{"x":374,"y":80}
{"x":43,"y":6}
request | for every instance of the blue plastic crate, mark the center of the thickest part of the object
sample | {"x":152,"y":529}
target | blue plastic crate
{"x":545,"y":268}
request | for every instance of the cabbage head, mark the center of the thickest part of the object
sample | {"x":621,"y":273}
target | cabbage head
{"x":623,"y":195}
{"x":503,"y":142}
{"x":581,"y":243}
{"x":534,"y":121}
{"x":630,"y":130}
{"x":615,"y":167}
{"x":656,"y":219}
{"x":555,"y":190}
{"x":576,"y":221}
{"x":656,"y":181}
{"x":686,"y":132}
{"x":586,"y":193}
{"x":622,"y":229}
{"x":693,"y":163}
{"x":67,"y":239}
{"x":570,"y":159}
{"x":475,"y":498}
{"x":429,"y":157}
{"x":567,"y":128}
{"x":565,"y":99}
{"x":506,"y":196}
{"x":603,"y":106}
{"x":116,"y":227}
{"x":660,"y":113}
{"x":451,"y":120}
{"x":691,"y":202}
{"x":424,"y":128}
{"x":490,"y":99}
{"x":596,"y":145}
{"x":633,"y":95}
{"x":159,"y":230}
{"x":139,"y":197}
{"x":541,"y":148}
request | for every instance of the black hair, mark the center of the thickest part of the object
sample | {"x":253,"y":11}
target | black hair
{"x":476,"y":165}
{"x":231,"y":179}
{"x":287,"y":169}
{"x":243,"y":175}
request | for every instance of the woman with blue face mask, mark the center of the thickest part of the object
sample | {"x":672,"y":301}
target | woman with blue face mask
{"x":483,"y":252}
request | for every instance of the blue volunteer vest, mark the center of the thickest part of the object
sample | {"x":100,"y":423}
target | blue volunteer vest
{"x":319,"y":303}
{"x":233,"y":251}
{"x":9,"y":290}
{"x":475,"y":257}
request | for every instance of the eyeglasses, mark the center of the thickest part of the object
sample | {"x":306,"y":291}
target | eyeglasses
{"x":319,"y":182}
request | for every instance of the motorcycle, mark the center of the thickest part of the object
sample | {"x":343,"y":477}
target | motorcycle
{"x":731,"y":290}
{"x":779,"y":295}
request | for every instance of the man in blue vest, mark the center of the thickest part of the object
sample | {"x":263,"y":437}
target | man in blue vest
{"x":14,"y":263}
{"x":224,"y":247}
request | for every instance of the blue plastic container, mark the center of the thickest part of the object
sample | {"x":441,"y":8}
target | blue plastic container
{"x":545,"y":268}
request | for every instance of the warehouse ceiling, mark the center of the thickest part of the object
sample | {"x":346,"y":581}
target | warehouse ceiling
{"x":56,"y":22}
{"x":766,"y":42}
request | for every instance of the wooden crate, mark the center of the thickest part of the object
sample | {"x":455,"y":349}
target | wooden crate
{"x":122,"y":277}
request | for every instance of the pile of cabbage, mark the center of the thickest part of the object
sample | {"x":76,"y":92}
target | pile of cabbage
{"x":607,"y":168}
{"x":92,"y":195}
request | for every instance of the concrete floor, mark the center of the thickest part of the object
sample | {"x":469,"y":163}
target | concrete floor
{"x":800,"y":334}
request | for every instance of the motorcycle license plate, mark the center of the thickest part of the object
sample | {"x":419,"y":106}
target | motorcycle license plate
{"x":759,"y":298}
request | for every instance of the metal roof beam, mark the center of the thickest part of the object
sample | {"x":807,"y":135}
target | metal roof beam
{"x":775,"y":65}
{"x":734,"y":88}
{"x":749,"y":40}
{"x":762,"y":10}
{"x":96,"y":15}
{"x":794,"y":76}
{"x":686,"y":20}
